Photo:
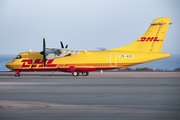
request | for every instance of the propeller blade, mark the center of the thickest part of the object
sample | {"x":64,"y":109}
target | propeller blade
{"x":66,"y":46}
{"x":62,"y":46}
{"x":44,"y":60}
{"x":44,"y":44}
{"x":44,"y":49}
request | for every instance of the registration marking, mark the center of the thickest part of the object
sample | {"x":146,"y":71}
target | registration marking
{"x":126,"y":56}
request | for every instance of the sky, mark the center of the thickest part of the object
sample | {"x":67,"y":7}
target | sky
{"x":83,"y":24}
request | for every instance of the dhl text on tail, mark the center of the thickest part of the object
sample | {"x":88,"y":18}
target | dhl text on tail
{"x":144,"y":49}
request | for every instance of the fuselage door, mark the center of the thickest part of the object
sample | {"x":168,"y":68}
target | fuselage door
{"x":113,"y":59}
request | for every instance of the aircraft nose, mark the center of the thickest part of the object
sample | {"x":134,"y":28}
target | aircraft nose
{"x":10,"y":64}
{"x":7,"y":65}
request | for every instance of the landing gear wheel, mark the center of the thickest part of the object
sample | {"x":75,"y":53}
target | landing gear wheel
{"x":75,"y":73}
{"x":85,"y":73}
{"x":17,"y":74}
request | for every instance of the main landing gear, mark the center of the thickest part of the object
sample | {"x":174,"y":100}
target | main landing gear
{"x":76,"y":73}
{"x":85,"y":73}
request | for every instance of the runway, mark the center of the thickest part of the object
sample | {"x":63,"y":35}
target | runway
{"x":99,"y":96}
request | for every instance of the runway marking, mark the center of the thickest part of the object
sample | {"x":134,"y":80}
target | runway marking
{"x":24,"y":83}
{"x":92,"y":74}
{"x":25,"y":106}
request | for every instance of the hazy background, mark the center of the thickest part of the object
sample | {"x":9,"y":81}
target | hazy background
{"x":83,"y":24}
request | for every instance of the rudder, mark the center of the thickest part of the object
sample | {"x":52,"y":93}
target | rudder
{"x":152,"y":40}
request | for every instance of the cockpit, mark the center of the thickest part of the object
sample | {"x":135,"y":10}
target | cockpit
{"x":18,"y":57}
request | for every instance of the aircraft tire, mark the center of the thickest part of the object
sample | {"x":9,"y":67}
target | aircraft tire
{"x":75,"y":73}
{"x":17,"y":74}
{"x":85,"y":73}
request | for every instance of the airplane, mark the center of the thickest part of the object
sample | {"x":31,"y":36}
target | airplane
{"x":145,"y":49}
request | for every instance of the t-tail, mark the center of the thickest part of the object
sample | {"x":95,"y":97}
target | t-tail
{"x":152,"y":40}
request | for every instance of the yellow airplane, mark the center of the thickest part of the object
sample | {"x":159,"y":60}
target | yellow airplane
{"x":144,"y":49}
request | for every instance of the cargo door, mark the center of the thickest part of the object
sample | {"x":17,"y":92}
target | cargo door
{"x":113,"y":59}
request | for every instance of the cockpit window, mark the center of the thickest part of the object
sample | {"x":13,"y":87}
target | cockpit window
{"x":18,"y":57}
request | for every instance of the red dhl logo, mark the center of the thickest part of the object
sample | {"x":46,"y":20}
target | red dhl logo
{"x":149,"y":39}
{"x":37,"y":63}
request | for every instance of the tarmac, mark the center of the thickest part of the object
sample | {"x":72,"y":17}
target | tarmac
{"x":99,"y":96}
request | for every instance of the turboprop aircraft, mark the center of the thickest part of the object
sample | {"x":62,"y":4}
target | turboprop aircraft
{"x":144,"y":49}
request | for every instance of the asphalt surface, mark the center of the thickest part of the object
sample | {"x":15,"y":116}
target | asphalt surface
{"x":111,"y":95}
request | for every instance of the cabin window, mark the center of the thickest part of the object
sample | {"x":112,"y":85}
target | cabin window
{"x":18,"y":57}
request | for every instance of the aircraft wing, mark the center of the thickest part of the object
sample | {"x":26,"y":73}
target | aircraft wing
{"x":72,"y":52}
{"x":52,"y":53}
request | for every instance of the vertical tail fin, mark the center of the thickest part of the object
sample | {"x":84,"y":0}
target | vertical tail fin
{"x":152,"y":40}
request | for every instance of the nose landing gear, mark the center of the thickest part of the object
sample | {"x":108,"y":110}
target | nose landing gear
{"x":17,"y":73}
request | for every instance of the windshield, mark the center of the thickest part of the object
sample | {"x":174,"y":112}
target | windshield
{"x":18,"y":57}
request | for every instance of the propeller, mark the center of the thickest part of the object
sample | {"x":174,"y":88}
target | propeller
{"x":44,"y":49}
{"x":43,"y":52}
{"x":44,"y":55}
{"x":62,"y":46}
